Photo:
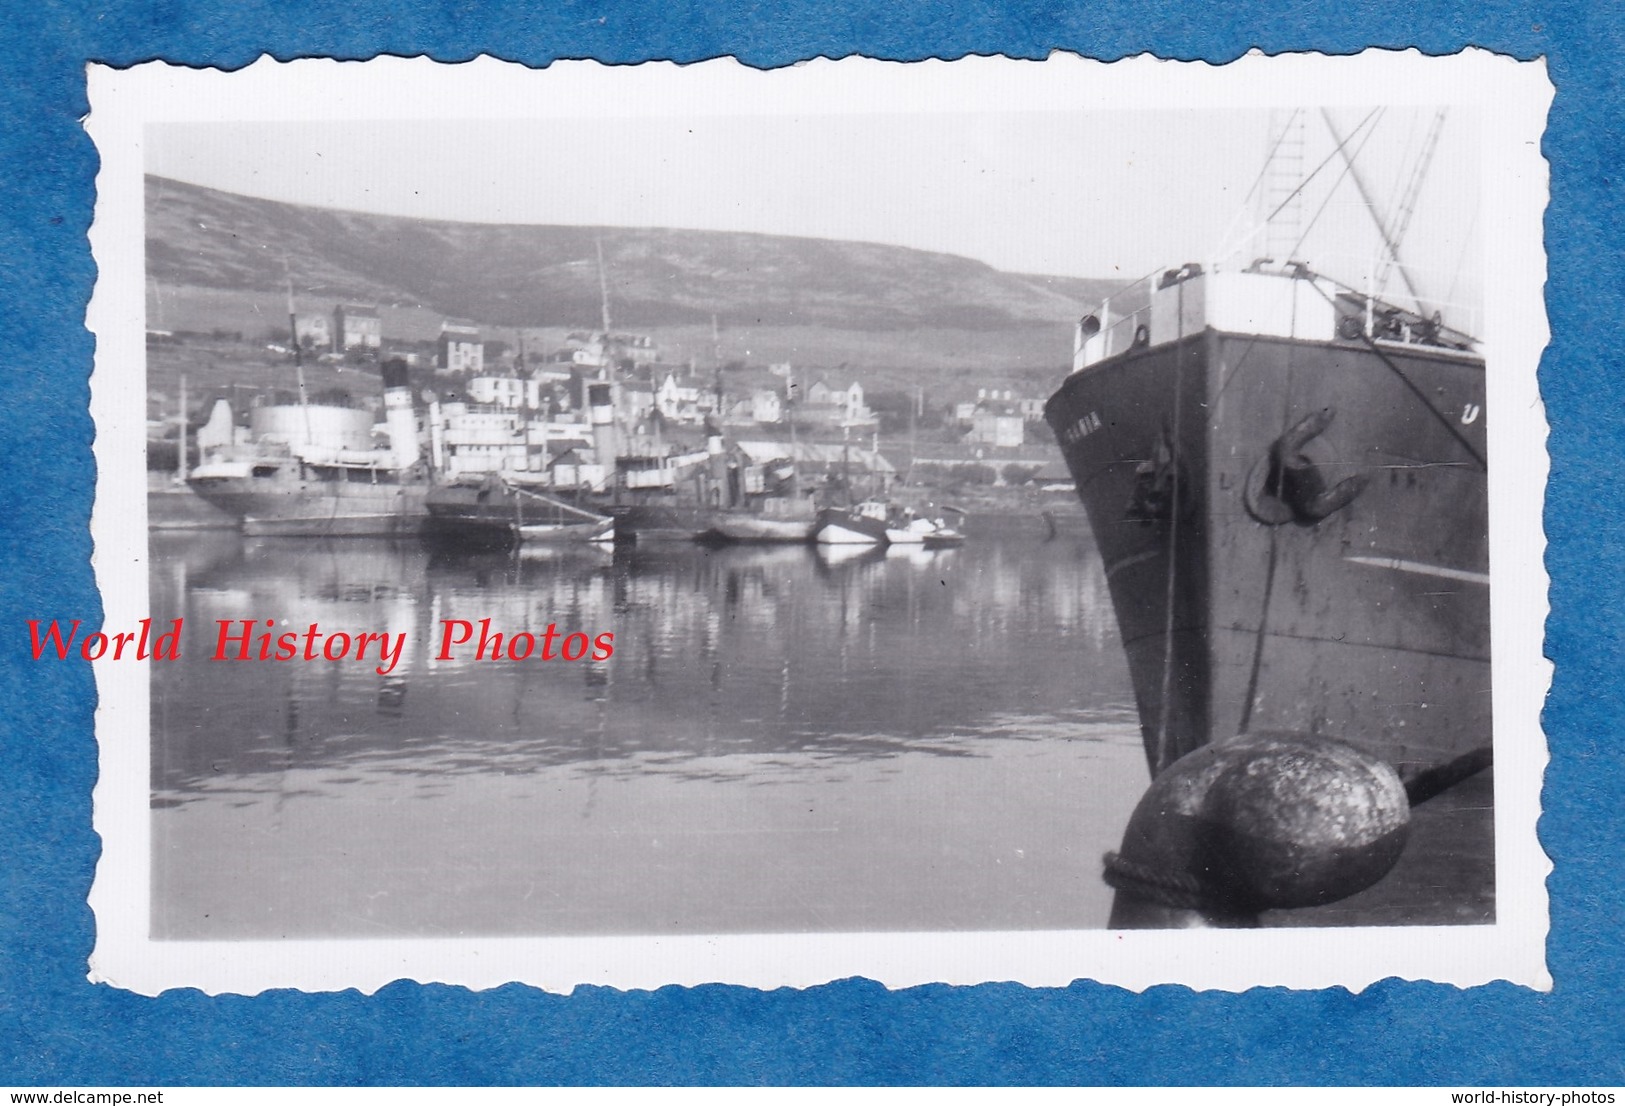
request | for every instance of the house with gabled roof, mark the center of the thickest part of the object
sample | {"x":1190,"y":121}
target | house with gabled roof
{"x":840,"y":403}
{"x":356,"y":327}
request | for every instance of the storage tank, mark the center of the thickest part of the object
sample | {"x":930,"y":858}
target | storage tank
{"x":315,"y":424}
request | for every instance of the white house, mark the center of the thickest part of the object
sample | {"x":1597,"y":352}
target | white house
{"x":460,"y":348}
{"x":843,"y":404}
{"x":681,"y":402}
{"x":766,"y":406}
{"x":998,"y":425}
{"x":313,"y":329}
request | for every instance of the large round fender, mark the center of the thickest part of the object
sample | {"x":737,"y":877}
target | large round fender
{"x":1263,"y":821}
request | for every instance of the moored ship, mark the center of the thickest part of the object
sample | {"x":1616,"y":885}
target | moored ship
{"x":495,"y":510}
{"x":1286,"y":480}
{"x":310,"y":470}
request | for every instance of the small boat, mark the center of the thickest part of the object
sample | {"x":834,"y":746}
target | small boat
{"x":911,"y":531}
{"x":831,"y":558}
{"x":601,"y":532}
{"x":879,"y":522}
{"x":755,"y":528}
{"x":860,"y":525}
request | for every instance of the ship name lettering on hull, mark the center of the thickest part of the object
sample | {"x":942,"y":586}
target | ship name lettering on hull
{"x":1082,"y":428}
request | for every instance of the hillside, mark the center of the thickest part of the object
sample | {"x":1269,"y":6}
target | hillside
{"x":224,"y":245}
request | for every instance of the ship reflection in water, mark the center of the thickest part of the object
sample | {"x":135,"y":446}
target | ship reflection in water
{"x":785,"y":739}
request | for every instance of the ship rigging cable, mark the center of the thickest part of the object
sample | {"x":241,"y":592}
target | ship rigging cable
{"x":1388,"y":240}
{"x":1224,"y":249}
{"x":1163,"y":757}
{"x":1341,"y":143}
{"x":1401,"y":219}
{"x":1269,"y":568}
{"x":1263,"y":171}
{"x":1331,"y":192}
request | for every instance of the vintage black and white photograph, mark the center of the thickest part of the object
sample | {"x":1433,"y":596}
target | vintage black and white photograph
{"x":950,"y":522}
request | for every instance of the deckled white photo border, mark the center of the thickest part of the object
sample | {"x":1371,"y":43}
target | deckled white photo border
{"x":1511,"y":99}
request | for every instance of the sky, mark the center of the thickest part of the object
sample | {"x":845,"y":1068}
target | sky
{"x":1071,"y":193}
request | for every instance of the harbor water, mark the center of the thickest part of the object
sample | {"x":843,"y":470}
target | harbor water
{"x":785,"y":739}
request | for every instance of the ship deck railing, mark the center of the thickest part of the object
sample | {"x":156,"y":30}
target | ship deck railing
{"x":1288,"y":301}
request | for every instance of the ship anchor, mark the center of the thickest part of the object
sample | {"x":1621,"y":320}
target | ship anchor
{"x":1286,"y":485}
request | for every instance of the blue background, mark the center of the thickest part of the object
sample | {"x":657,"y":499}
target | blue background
{"x":57,"y":1029}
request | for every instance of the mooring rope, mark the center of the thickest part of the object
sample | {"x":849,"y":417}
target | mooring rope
{"x":1270,"y":564}
{"x":1179,"y":890}
{"x":1163,"y":759}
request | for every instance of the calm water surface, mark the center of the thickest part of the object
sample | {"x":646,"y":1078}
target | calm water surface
{"x":784,"y":740}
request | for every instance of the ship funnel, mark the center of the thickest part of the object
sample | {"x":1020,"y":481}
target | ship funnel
{"x":601,"y":413}
{"x":398,"y":415}
{"x":717,"y":459}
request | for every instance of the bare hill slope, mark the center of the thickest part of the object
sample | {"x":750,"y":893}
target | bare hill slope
{"x":548,"y":275}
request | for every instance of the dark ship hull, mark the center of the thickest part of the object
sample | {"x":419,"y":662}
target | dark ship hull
{"x":660,"y":521}
{"x":496,"y":513}
{"x":1203,"y":462}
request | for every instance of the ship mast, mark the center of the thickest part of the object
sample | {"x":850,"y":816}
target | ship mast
{"x":603,"y":286}
{"x":180,"y":463}
{"x":790,"y":417}
{"x":298,"y":355}
{"x":604,"y":372}
{"x":716,"y":360}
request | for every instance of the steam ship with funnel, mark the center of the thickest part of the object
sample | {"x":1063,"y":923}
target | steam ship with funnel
{"x":310,"y":470}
